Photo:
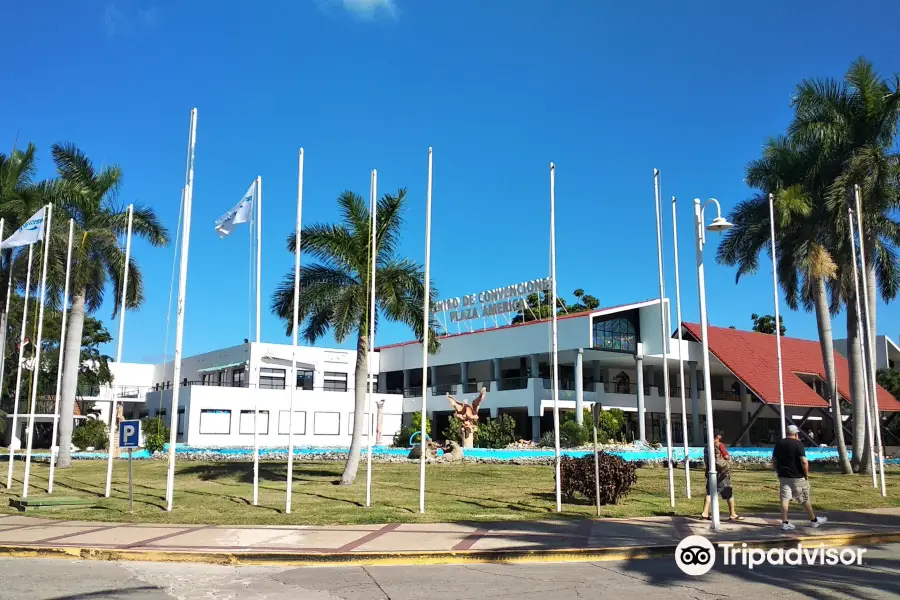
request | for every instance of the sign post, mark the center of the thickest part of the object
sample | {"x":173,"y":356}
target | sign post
{"x":130,"y":438}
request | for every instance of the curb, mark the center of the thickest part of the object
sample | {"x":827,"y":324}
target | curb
{"x":300,"y":559}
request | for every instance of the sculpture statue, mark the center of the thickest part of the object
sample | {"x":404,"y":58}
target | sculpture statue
{"x":452,"y":452}
{"x":468,"y":415}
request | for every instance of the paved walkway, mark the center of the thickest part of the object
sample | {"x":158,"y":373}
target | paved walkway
{"x":30,"y":532}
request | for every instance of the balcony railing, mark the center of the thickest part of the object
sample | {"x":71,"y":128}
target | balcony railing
{"x":42,"y":406}
{"x":514,"y":383}
{"x":443,"y":388}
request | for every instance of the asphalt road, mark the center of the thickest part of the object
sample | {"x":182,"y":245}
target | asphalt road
{"x":46,"y":579}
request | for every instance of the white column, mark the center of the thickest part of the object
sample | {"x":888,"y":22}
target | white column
{"x":745,"y":414}
{"x":697,"y":434}
{"x":579,"y":386}
{"x":405,"y":380}
{"x":535,"y":366}
{"x":463,"y":377}
{"x":642,"y":411}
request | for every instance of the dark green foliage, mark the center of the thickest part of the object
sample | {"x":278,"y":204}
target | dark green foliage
{"x":91,"y":434}
{"x":766,"y":323}
{"x":496,"y":433}
{"x":156,"y":434}
{"x":538,"y":306}
{"x":616,"y":478}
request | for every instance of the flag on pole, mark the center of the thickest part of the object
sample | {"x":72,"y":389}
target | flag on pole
{"x":32,"y":231}
{"x":241,"y":213}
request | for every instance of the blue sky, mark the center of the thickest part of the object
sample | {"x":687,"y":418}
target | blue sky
{"x":609,"y":91}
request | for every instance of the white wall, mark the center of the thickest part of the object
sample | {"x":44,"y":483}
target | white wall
{"x":322,"y":418}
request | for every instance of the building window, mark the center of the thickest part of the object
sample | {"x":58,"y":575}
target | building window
{"x":335,"y":382}
{"x":239,"y":377}
{"x":304,"y":380}
{"x":271,"y":379}
{"x":615,"y":335}
{"x":373,"y":384}
{"x":246,"y":425}
{"x":215,"y":421}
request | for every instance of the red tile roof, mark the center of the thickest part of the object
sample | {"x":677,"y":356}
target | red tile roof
{"x":753,"y":358}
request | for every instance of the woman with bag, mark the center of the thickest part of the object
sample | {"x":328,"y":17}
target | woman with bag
{"x":723,"y":470}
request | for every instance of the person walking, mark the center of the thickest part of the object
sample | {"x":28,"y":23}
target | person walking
{"x":789,"y":461}
{"x":723,"y":472}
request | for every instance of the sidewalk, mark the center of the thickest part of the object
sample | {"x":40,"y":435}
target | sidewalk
{"x":422,"y":543}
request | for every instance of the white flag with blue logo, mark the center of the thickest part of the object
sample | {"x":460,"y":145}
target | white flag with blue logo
{"x":241,"y":213}
{"x":30,"y":232}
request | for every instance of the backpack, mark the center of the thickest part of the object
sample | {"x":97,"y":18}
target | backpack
{"x":722,"y":465}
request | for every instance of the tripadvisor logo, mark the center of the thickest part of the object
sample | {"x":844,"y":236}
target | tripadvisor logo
{"x":695,"y":555}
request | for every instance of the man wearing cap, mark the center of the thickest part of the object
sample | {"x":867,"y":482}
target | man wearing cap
{"x":789,"y":460}
{"x":723,"y":480}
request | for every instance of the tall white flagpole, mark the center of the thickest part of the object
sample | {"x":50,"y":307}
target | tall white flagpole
{"x":663,"y":326}
{"x":15,"y":420}
{"x":5,"y":310}
{"x":59,"y":369}
{"x":777,"y":318}
{"x":870,"y":432}
{"x":37,"y":353}
{"x":426,"y":305}
{"x":870,"y":341}
{"x":179,"y":314}
{"x":114,"y":404}
{"x":554,"y":335}
{"x":296,"y":325}
{"x":256,"y":393}
{"x":373,"y":201}
{"x":684,"y":426}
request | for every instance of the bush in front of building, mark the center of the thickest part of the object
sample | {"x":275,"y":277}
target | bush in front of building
{"x":156,"y":434}
{"x":573,"y":435}
{"x":496,"y":433}
{"x":401,"y":438}
{"x":493,"y":433}
{"x":91,"y":434}
{"x":577,"y":478}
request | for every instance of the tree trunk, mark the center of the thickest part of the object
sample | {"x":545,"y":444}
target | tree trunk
{"x":857,"y":389}
{"x":71,"y":367}
{"x":826,"y":341}
{"x":359,"y":411}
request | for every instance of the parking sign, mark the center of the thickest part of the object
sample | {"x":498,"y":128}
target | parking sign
{"x":130,"y":434}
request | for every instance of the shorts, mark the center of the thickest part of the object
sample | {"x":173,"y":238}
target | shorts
{"x":723,"y":486}
{"x":794,"y":489}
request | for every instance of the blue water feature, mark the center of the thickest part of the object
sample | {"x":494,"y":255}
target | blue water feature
{"x":645,"y":454}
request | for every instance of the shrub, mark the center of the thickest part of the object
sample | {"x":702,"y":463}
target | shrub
{"x":496,"y":433}
{"x":612,"y":425}
{"x":91,"y":434}
{"x":548,"y":440}
{"x":616,"y":478}
{"x":454,"y":431}
{"x":156,"y":434}
{"x":401,"y":438}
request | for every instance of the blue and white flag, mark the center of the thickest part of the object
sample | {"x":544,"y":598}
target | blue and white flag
{"x":241,"y":213}
{"x":30,"y":232}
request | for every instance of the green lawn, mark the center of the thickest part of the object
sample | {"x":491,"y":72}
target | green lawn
{"x":220,"y":493}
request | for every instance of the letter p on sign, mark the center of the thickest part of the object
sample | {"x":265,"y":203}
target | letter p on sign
{"x":130,"y":434}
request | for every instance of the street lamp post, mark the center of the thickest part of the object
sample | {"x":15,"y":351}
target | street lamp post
{"x":718,"y":224}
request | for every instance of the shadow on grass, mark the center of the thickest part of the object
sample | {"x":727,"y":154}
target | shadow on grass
{"x":243,"y":472}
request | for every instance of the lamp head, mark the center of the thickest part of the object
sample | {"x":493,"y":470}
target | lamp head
{"x":719,"y":224}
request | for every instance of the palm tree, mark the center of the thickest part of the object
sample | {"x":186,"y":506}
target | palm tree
{"x":854,"y":122}
{"x":18,"y":193}
{"x":90,"y":196}
{"x":805,"y":266}
{"x":334,"y":291}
